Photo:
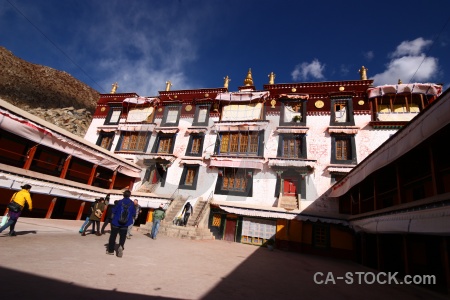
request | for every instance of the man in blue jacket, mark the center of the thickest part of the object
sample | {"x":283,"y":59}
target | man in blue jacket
{"x":123,"y":213}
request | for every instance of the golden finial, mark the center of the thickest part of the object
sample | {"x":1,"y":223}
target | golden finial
{"x":226,"y":80}
{"x":363,"y":73}
{"x":248,"y":81}
{"x":168,"y":85}
{"x":114,"y":87}
{"x":271,"y":78}
{"x":400,"y":81}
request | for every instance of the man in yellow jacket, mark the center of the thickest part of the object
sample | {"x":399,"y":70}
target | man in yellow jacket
{"x":20,"y":198}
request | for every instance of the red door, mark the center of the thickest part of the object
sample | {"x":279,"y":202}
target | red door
{"x":230,"y":230}
{"x":290,"y":187}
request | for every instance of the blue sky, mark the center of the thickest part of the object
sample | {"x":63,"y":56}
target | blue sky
{"x":141,"y":44}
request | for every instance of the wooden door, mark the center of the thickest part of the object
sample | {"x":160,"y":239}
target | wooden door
{"x":230,"y":230}
{"x":290,"y":187}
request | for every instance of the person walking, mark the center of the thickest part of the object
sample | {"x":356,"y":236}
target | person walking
{"x":19,"y":198}
{"x":188,"y":211}
{"x":88,"y":217}
{"x":138,"y":211}
{"x":123,"y":214}
{"x":95,"y":217}
{"x":158,"y":215}
{"x":108,"y":217}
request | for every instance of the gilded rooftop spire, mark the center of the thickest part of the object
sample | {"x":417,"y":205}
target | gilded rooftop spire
{"x":363,"y":73}
{"x":400,"y":81}
{"x":271,"y":78}
{"x":114,"y":87}
{"x":168,"y":85}
{"x":226,"y":81}
{"x":248,"y":81}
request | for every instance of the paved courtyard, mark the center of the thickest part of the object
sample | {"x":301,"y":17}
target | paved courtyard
{"x":49,"y":259}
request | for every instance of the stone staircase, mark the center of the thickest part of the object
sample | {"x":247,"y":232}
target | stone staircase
{"x":288,"y":202}
{"x":169,"y":228}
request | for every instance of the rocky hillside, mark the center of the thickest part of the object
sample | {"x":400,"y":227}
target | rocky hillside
{"x":47,"y":93}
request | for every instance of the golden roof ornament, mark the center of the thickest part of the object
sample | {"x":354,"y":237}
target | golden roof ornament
{"x":168,"y":85}
{"x":271,"y":78}
{"x":114,"y":87}
{"x":400,"y":81}
{"x":363,"y":73}
{"x":248,"y":81}
{"x":226,"y":80}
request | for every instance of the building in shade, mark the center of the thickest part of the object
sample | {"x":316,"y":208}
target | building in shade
{"x":397,"y":200}
{"x":64,"y":170}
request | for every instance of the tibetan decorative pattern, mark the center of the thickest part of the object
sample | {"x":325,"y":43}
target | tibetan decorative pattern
{"x":342,"y":88}
{"x":273,"y":102}
{"x":361,"y":102}
{"x":216,"y":220}
{"x":319,"y":104}
{"x":188,"y":107}
{"x":103,"y":109}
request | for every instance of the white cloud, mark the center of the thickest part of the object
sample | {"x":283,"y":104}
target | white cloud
{"x":306,"y":70}
{"x":411,"y":48}
{"x":409,"y":63}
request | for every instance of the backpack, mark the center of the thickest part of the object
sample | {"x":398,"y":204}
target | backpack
{"x":124,"y":215}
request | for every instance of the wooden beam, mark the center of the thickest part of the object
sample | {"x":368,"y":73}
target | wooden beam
{"x":113,"y":179}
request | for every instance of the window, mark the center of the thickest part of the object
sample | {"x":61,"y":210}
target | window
{"x":292,"y":146}
{"x":343,"y":149}
{"x":201,"y":116}
{"x":189,"y":177}
{"x":105,"y":140}
{"x":164,"y":144}
{"x":113,"y":116}
{"x":321,"y":235}
{"x":342,"y":112}
{"x":234,"y":181}
{"x":293,"y":113}
{"x":135,"y":141}
{"x":171,"y":115}
{"x":241,"y":143}
{"x":195,"y":145}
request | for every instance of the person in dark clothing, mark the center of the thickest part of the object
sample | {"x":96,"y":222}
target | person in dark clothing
{"x":108,"y":217}
{"x":187,"y":213}
{"x":118,"y":228}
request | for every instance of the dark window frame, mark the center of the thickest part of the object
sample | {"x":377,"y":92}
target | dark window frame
{"x":166,"y":113}
{"x":260,"y":143}
{"x":111,"y":110}
{"x":286,"y":136}
{"x":197,"y":113}
{"x":303,"y":111}
{"x":249,"y":187}
{"x":191,"y":142}
{"x":163,"y":136}
{"x":183,"y":184}
{"x":349,"y":111}
{"x":103,"y":135}
{"x":352,"y":148}
{"x":321,"y":229}
{"x":145,"y":134}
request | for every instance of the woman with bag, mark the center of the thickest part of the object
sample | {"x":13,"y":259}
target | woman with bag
{"x":17,"y":203}
{"x":96,"y":216}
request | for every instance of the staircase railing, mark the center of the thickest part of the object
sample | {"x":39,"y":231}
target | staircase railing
{"x":202,"y":210}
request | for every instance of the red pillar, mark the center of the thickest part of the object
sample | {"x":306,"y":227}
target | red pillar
{"x":92,"y":176}
{"x":80,"y":211}
{"x":113,"y":179}
{"x":65,"y":167}
{"x":30,"y":156}
{"x":50,"y":209}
